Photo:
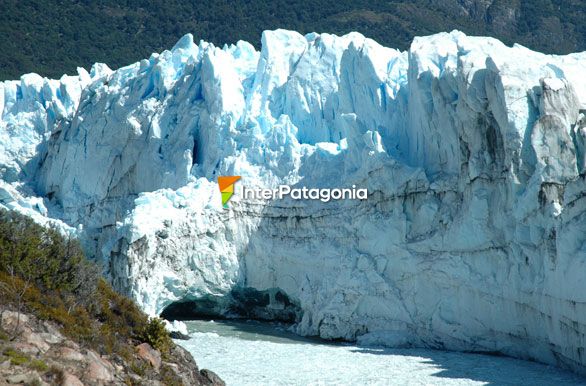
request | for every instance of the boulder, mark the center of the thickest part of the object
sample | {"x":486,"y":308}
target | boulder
{"x":70,"y":380}
{"x":149,"y":354}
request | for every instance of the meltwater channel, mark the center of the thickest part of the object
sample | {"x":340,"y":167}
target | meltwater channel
{"x":255,"y":353}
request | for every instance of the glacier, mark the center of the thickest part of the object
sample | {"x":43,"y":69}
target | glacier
{"x":472,"y":237}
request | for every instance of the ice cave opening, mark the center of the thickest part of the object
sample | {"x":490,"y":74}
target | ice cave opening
{"x":241,"y":303}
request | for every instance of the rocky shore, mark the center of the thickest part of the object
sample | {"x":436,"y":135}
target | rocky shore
{"x":35,"y":352}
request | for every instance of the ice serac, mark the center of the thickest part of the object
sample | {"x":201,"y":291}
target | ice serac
{"x":32,"y":110}
{"x":472,"y":152}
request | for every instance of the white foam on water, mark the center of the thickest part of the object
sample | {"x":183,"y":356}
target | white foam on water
{"x":254,"y":354}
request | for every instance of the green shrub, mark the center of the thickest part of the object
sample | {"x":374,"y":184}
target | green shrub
{"x":44,"y":257}
{"x":38,"y":365}
{"x":118,"y":312}
{"x":17,"y":358}
{"x":156,"y":335}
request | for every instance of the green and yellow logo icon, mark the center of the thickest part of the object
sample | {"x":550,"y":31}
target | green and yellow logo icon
{"x":226,"y":184}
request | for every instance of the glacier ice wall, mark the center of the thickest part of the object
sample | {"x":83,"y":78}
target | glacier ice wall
{"x":473,"y":154}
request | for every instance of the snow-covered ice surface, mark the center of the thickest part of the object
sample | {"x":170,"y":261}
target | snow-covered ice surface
{"x":256,"y":354}
{"x":472,"y":237}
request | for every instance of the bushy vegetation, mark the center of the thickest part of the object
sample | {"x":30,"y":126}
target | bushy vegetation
{"x":155,"y":334}
{"x":16,"y":357}
{"x":44,"y":257}
{"x":51,"y":37}
{"x":45,"y":274}
{"x":19,"y":358}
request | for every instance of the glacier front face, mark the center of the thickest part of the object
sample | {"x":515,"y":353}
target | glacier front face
{"x":472,"y":237}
